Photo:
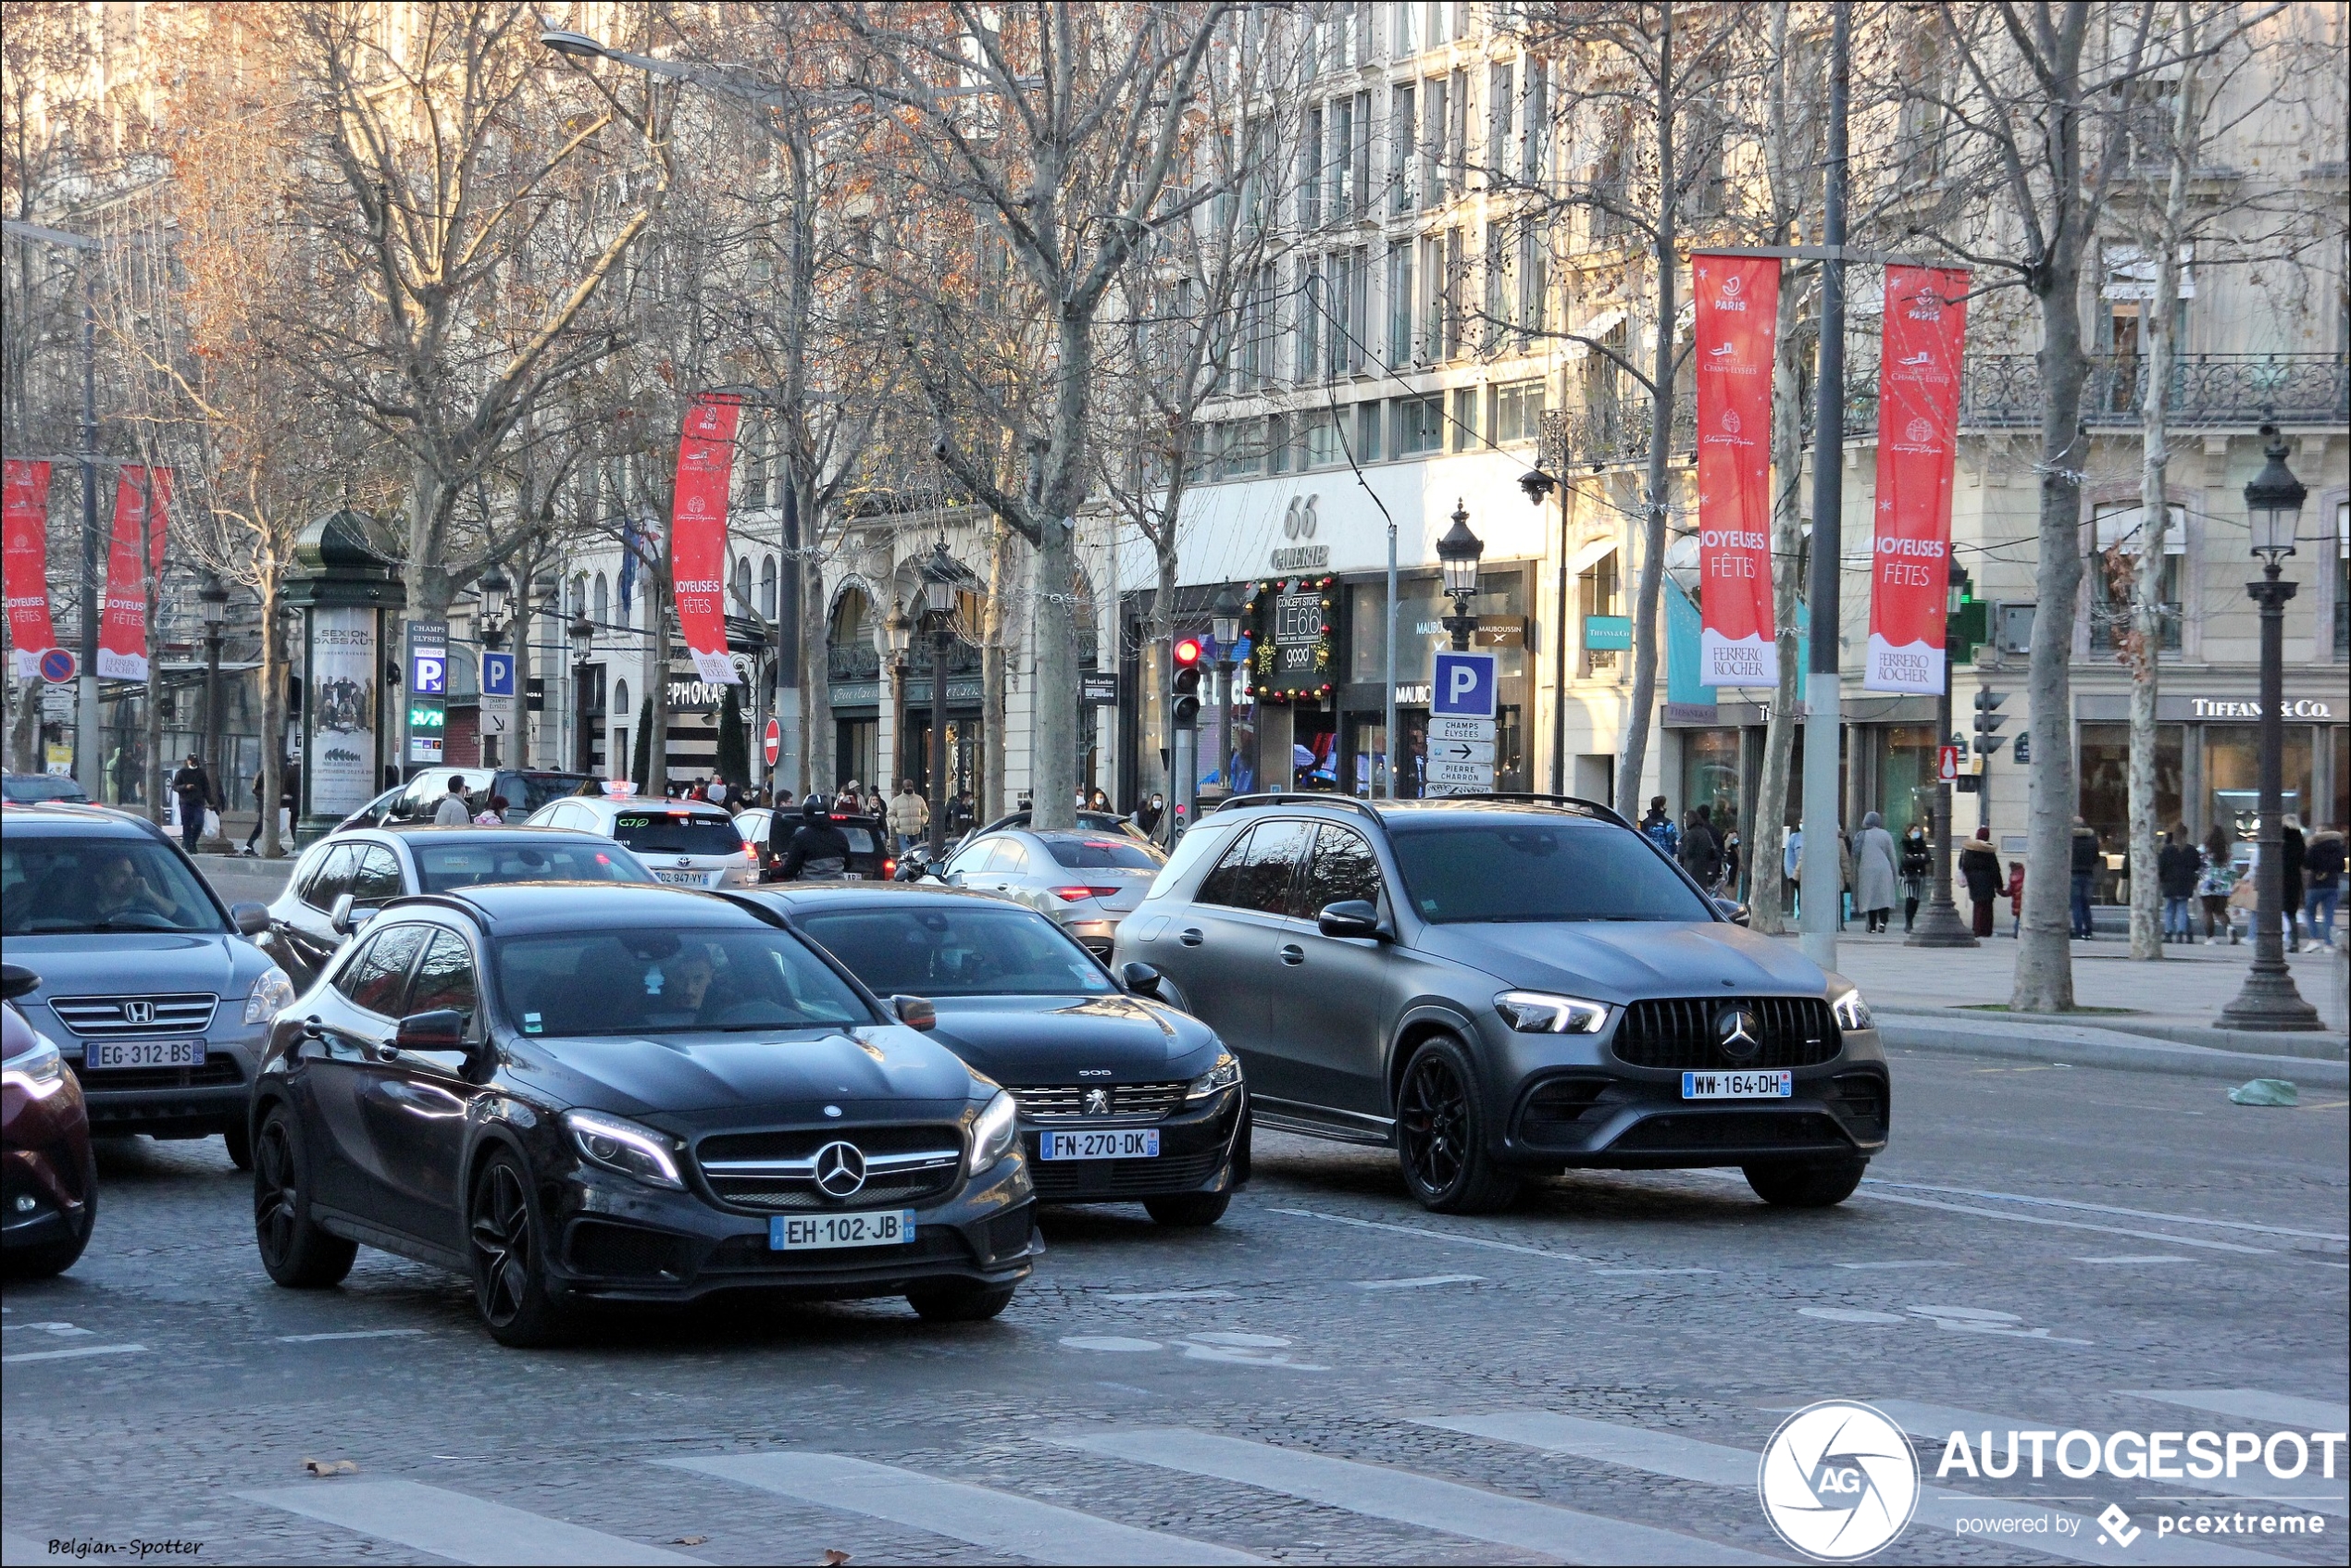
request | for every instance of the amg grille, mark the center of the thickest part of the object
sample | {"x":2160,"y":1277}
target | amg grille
{"x":799,"y":1143}
{"x":219,"y":1070}
{"x":1681,"y":1032}
{"x":1083,"y":1181}
{"x":186,"y":1013}
{"x":771,"y":1171}
{"x":1054,"y":1103}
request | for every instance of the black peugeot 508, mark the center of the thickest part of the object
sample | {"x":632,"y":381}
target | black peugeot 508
{"x":574,"y":1093}
{"x":1123,"y":1098}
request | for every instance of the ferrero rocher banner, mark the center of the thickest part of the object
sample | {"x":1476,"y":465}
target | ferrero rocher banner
{"x":1738,"y":304}
{"x":122,"y":630}
{"x":698,"y":534}
{"x":1917,"y":419}
{"x":26,"y":492}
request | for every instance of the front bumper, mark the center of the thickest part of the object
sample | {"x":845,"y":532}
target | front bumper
{"x":618,"y":1240}
{"x":1195,"y":1155}
{"x":170,"y":1101}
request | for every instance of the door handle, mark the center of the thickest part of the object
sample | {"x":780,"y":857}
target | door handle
{"x":1191,"y":936}
{"x":312,"y":1028}
{"x":1293,"y":953}
{"x":387,"y":1053}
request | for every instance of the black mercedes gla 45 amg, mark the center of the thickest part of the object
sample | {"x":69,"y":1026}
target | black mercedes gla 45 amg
{"x":574,"y":1093}
{"x":1506,"y":987}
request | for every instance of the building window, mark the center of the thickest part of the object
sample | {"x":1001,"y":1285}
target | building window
{"x":1420,"y":424}
{"x":1597,"y":593}
{"x":1243,"y":449}
{"x":1310,"y":311}
{"x":1399,"y":303}
{"x":2342,"y":585}
{"x":767,"y":588}
{"x":1465,"y":418}
{"x":1322,"y":439}
{"x":603,"y":601}
{"x":1278,"y":443}
{"x":2115,"y":567}
{"x":1310,"y":171}
{"x":1402,"y":121}
{"x":1367,"y":434}
{"x":1499,"y":95}
{"x":1535,"y":123}
{"x":1517,"y":412}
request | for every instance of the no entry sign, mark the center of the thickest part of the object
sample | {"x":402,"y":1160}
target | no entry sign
{"x":771,"y":742}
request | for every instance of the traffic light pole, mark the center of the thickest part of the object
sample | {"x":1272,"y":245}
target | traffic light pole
{"x":1939,"y":924}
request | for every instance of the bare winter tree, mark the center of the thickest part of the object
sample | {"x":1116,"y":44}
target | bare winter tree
{"x":1061,"y":129}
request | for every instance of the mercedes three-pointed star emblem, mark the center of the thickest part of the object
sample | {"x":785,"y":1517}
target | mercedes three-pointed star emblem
{"x":840,"y":1170}
{"x":1738,"y":1032}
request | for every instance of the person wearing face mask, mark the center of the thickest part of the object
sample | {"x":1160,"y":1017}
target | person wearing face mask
{"x":1148,"y":814}
{"x":1918,"y":863}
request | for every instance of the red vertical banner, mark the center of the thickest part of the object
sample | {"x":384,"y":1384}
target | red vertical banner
{"x":1737,"y":303}
{"x":698,"y":533}
{"x":1918,"y":422}
{"x":24,"y":517}
{"x":122,"y":628}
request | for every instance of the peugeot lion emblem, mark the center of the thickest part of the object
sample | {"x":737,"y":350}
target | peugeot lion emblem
{"x":840,"y":1170}
{"x":139,"y":1011}
{"x":1098,"y":1102}
{"x":1737,"y":1031}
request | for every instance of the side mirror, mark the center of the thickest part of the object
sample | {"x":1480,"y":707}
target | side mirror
{"x":934,"y":868}
{"x":1140,"y":979}
{"x":1349,"y":917}
{"x":249,"y":919}
{"x":349,"y":916}
{"x":443,"y":1029}
{"x":1733,"y":911}
{"x":15,"y":980}
{"x":914,"y":1013}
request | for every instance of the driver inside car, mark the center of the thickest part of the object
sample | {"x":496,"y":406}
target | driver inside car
{"x":117,"y":889}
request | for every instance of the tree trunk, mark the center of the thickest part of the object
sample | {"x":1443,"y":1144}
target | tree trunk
{"x":658,"y":762}
{"x":2044,"y":981}
{"x":1052,"y":692}
{"x":990,"y":802}
{"x":1645,"y":651}
{"x":1161,"y":664}
{"x":815,"y":681}
{"x":1766,"y":885}
{"x":273,"y":718}
{"x":24,"y":736}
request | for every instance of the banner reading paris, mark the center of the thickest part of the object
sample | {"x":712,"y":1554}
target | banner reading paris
{"x":1737,"y":300}
{"x":1917,"y":419}
{"x":122,"y":630}
{"x":698,"y":534}
{"x":27,"y":527}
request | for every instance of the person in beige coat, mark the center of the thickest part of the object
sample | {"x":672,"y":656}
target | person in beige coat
{"x":909,"y":815}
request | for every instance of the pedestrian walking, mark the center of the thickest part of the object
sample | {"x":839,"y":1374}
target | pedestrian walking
{"x":960,"y":817}
{"x":1980,"y":868}
{"x":2216,"y":879}
{"x":1147,"y":816}
{"x":1875,"y":870}
{"x":2086,"y":854}
{"x":1918,"y":863}
{"x":1792,"y":870}
{"x":2295,"y":851}
{"x":452,"y":811}
{"x":260,"y":814}
{"x":2016,"y":899}
{"x":1731,"y":861}
{"x":191,"y":788}
{"x":2176,"y":865}
{"x":909,"y":816}
{"x":493,"y":815}
{"x":1845,"y":881}
{"x":1658,"y":828}
{"x":2322,"y":883}
{"x":1702,"y":851}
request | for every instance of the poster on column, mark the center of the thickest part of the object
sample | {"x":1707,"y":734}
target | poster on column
{"x":698,"y":534}
{"x":344,"y":674}
{"x":122,"y":630}
{"x":1737,"y":307}
{"x":1917,"y":403}
{"x":25,"y":519}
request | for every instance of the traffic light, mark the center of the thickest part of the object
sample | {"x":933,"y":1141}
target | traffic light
{"x":1988,"y":719}
{"x":1186,"y":654}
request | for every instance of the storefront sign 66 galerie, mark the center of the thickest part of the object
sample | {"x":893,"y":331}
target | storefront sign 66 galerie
{"x":1289,"y":621}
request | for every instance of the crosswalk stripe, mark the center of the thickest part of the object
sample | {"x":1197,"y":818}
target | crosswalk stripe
{"x":2309,"y":1490}
{"x":1004,"y":1522}
{"x":1688,"y":1459}
{"x":454,"y":1525}
{"x":2252,"y":1404}
{"x":1380,"y":1491}
{"x":74,"y":1354}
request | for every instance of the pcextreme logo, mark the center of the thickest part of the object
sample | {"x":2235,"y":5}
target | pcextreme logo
{"x":1839,"y":1481}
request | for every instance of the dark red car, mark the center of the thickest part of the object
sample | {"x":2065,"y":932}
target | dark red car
{"x":51,"y":1185}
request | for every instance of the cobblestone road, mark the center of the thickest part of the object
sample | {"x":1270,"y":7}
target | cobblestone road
{"x":1323,"y":1377}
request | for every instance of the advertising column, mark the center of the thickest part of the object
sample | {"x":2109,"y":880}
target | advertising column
{"x":339,"y":706}
{"x":1738,"y":306}
{"x":1918,"y":426}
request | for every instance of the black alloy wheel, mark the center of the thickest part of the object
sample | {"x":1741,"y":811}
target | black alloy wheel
{"x":296,"y":1252}
{"x":1801,"y":1183}
{"x":510,"y":1284}
{"x":960,"y":1303}
{"x":1441,"y":1134}
{"x":1188,"y":1211}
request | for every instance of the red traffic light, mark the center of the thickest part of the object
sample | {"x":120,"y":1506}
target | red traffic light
{"x":1187,"y":652}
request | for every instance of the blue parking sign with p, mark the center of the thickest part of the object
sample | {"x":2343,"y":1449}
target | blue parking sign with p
{"x":497,"y":674}
{"x":1463,"y":687}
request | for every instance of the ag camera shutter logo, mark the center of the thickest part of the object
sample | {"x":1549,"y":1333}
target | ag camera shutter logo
{"x":1839,"y":1481}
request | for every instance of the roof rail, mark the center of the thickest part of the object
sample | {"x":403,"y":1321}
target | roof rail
{"x":1594,"y":807}
{"x":1298,"y":797}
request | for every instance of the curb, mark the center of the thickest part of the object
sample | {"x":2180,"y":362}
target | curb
{"x":2316,"y":1045}
{"x":2077,"y":1047}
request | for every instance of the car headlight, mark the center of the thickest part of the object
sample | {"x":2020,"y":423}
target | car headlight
{"x":992,"y":1133}
{"x":1216,"y":1080}
{"x":623,"y":1147}
{"x":1852,"y":1012}
{"x":40,"y":1072}
{"x":271,"y":994}
{"x":1538,"y":1013}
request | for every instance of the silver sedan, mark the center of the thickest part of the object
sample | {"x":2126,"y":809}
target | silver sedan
{"x":1086,"y":880}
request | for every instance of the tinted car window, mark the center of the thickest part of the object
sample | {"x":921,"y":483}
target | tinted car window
{"x":656,"y":982}
{"x":1538,"y":871}
{"x":529,"y":792}
{"x":333,"y":880}
{"x":441,"y":867}
{"x":1344,"y":867}
{"x":27,"y":786}
{"x":446,"y":977}
{"x":1011,"y":855}
{"x":77,"y":884}
{"x":378,"y":976}
{"x":974,"y":858}
{"x":1103,"y":855}
{"x":1256,"y":874}
{"x":378,"y":878}
{"x":661,"y":832}
{"x":977,"y":951}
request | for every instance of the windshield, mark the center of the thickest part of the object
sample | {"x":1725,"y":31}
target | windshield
{"x":1538,"y":871}
{"x":975,"y":952}
{"x":1103,"y":855}
{"x":27,"y":786}
{"x":442,"y":866}
{"x":670,"y":982}
{"x":664,"y":832}
{"x":69,"y":886}
{"x":537,"y":789}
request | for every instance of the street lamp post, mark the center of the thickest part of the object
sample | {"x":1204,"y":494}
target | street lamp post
{"x":1225,"y":627}
{"x":1939,"y":924}
{"x":941,"y":576}
{"x":581,"y":633}
{"x":1538,"y":486}
{"x":2273,"y":507}
{"x":898,"y":633}
{"x":1458,"y":553}
{"x":493,"y":589}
